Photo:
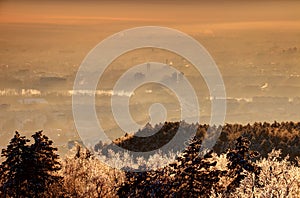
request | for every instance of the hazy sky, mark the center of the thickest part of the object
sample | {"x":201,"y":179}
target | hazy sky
{"x":51,"y":38}
{"x":238,"y":14}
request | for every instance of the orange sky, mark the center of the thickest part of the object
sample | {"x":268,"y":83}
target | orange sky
{"x":234,"y":13}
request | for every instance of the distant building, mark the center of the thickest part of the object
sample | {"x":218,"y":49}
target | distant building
{"x":180,"y":76}
{"x":33,"y":101}
{"x":4,"y":106}
{"x":174,"y":76}
{"x":30,"y":92}
{"x":139,"y":76}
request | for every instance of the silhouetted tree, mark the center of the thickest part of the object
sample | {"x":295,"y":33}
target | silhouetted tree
{"x":43,"y":162}
{"x":29,"y":171}
{"x":13,"y":169}
{"x":240,"y":160}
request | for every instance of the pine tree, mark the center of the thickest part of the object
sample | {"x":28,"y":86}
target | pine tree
{"x":13,"y":171}
{"x":43,"y":162}
{"x":29,"y":170}
{"x":240,"y":160}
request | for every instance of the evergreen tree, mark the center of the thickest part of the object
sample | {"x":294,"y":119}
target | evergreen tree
{"x":13,"y":169}
{"x":29,"y":170}
{"x":43,"y":162}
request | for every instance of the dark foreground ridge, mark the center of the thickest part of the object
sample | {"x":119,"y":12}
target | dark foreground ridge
{"x":235,"y":168}
{"x":265,"y":137}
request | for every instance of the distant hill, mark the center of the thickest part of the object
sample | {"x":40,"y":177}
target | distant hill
{"x":264,"y":137}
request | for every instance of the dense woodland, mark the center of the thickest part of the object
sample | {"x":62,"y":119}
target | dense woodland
{"x":264,"y":137}
{"x":258,"y":160}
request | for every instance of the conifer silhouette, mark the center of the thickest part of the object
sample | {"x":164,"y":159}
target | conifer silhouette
{"x":28,"y":170}
{"x":43,"y":162}
{"x":13,"y":171}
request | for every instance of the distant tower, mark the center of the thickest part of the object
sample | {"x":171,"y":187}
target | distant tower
{"x":148,"y":67}
{"x":174,"y":77}
{"x":180,"y":76}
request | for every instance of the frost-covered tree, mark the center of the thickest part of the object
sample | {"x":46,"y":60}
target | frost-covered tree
{"x":86,"y":176}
